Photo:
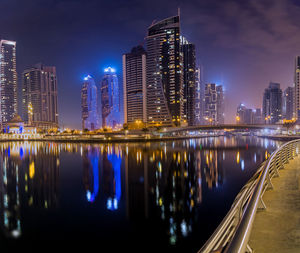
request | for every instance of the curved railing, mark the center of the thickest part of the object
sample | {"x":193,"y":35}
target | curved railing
{"x":233,"y":234}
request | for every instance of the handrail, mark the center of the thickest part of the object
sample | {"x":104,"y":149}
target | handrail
{"x":233,"y":233}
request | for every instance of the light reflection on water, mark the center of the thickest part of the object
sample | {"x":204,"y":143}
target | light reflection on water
{"x":171,"y":193}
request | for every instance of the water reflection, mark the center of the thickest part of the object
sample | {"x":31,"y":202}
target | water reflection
{"x":174,"y":185}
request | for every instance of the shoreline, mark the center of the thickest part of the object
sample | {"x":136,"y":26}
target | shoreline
{"x":109,"y":139}
{"x":280,"y":137}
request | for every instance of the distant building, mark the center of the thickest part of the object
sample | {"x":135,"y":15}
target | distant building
{"x":297,"y":88}
{"x":257,"y":119}
{"x":246,"y":115}
{"x":272,"y":103}
{"x":213,"y":104}
{"x":220,"y":105}
{"x":39,"y":95}
{"x":8,"y":81}
{"x":199,"y":96}
{"x":288,"y":103}
{"x":164,"y":73}
{"x":134,"y":86}
{"x":189,"y":81}
{"x":110,"y":99}
{"x":89,"y":105}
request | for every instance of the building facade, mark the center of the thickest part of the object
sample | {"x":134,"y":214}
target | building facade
{"x":110,"y":99}
{"x":297,"y":88}
{"x":89,"y":105}
{"x":8,"y":81}
{"x":164,"y":73}
{"x":213,"y":104}
{"x":199,"y":96}
{"x":288,"y":103}
{"x":272,"y":104}
{"x":134,"y":86}
{"x":189,"y":81}
{"x":39,"y":96}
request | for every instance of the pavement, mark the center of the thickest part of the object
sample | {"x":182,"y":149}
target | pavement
{"x":277,"y":228}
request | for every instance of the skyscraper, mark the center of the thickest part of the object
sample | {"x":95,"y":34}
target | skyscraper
{"x":220,"y":104}
{"x":89,"y":105}
{"x":164,"y":73}
{"x":39,"y":91}
{"x":189,"y":79}
{"x":213,"y":104}
{"x":8,"y":80}
{"x":272,"y":103}
{"x":297,"y":88}
{"x":110,"y":99}
{"x":199,"y":96}
{"x":134,"y":85}
{"x":244,"y":115}
{"x":288,"y":103}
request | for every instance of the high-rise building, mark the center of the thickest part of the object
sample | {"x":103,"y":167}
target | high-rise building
{"x":164,"y":73}
{"x":110,"y":99}
{"x":272,"y":103}
{"x":297,"y":88}
{"x":288,"y":103}
{"x":89,"y":105}
{"x":134,"y":85}
{"x":39,"y":96}
{"x":244,"y":115}
{"x":213,"y":104}
{"x":220,"y":104}
{"x":257,"y":118}
{"x":8,"y":80}
{"x":199,"y":96}
{"x":189,"y":81}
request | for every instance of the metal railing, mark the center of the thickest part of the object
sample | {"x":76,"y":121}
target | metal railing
{"x":233,"y":233}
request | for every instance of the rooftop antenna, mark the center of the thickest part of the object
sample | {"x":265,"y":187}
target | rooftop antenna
{"x":178,"y":11}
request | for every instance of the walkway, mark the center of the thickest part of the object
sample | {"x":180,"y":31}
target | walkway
{"x":277,"y":229}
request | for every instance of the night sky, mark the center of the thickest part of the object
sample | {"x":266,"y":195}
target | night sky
{"x":242,"y":44}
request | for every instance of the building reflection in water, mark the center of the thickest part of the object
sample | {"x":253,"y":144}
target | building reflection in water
{"x":28,"y":177}
{"x":166,"y":182}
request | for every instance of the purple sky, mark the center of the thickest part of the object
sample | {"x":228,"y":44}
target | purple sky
{"x":242,"y":44}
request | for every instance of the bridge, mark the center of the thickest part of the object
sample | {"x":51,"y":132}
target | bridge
{"x":222,"y":127}
{"x":275,"y":191}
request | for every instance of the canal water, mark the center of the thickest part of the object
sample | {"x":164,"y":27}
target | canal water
{"x":135,"y":197}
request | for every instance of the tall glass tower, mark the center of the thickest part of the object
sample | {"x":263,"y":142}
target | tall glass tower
{"x":134,"y":85}
{"x":8,"y":80}
{"x":189,"y":81}
{"x":39,"y":91}
{"x":110,"y":99}
{"x":164,"y":73}
{"x":272,"y":103}
{"x":297,"y":88}
{"x":89,"y":108}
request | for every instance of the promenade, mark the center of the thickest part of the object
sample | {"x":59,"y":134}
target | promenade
{"x":277,"y":228}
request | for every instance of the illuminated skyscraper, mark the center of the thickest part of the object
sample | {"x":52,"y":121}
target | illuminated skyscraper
{"x":272,"y":103}
{"x":134,"y":85}
{"x":164,"y":73}
{"x":288,"y":103}
{"x":189,"y":79}
{"x":110,"y":99}
{"x":8,"y":80}
{"x":214,"y":104}
{"x":39,"y":91}
{"x":199,"y":96}
{"x":297,"y":88}
{"x":89,"y":104}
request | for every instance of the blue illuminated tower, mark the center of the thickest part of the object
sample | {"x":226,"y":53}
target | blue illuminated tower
{"x":90,"y":119}
{"x":110,"y":99}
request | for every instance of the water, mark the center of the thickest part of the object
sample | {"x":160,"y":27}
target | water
{"x":138,"y":197}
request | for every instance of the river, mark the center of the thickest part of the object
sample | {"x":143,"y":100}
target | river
{"x":135,"y":197}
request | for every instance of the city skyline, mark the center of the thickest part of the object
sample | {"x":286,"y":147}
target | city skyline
{"x":249,"y":60}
